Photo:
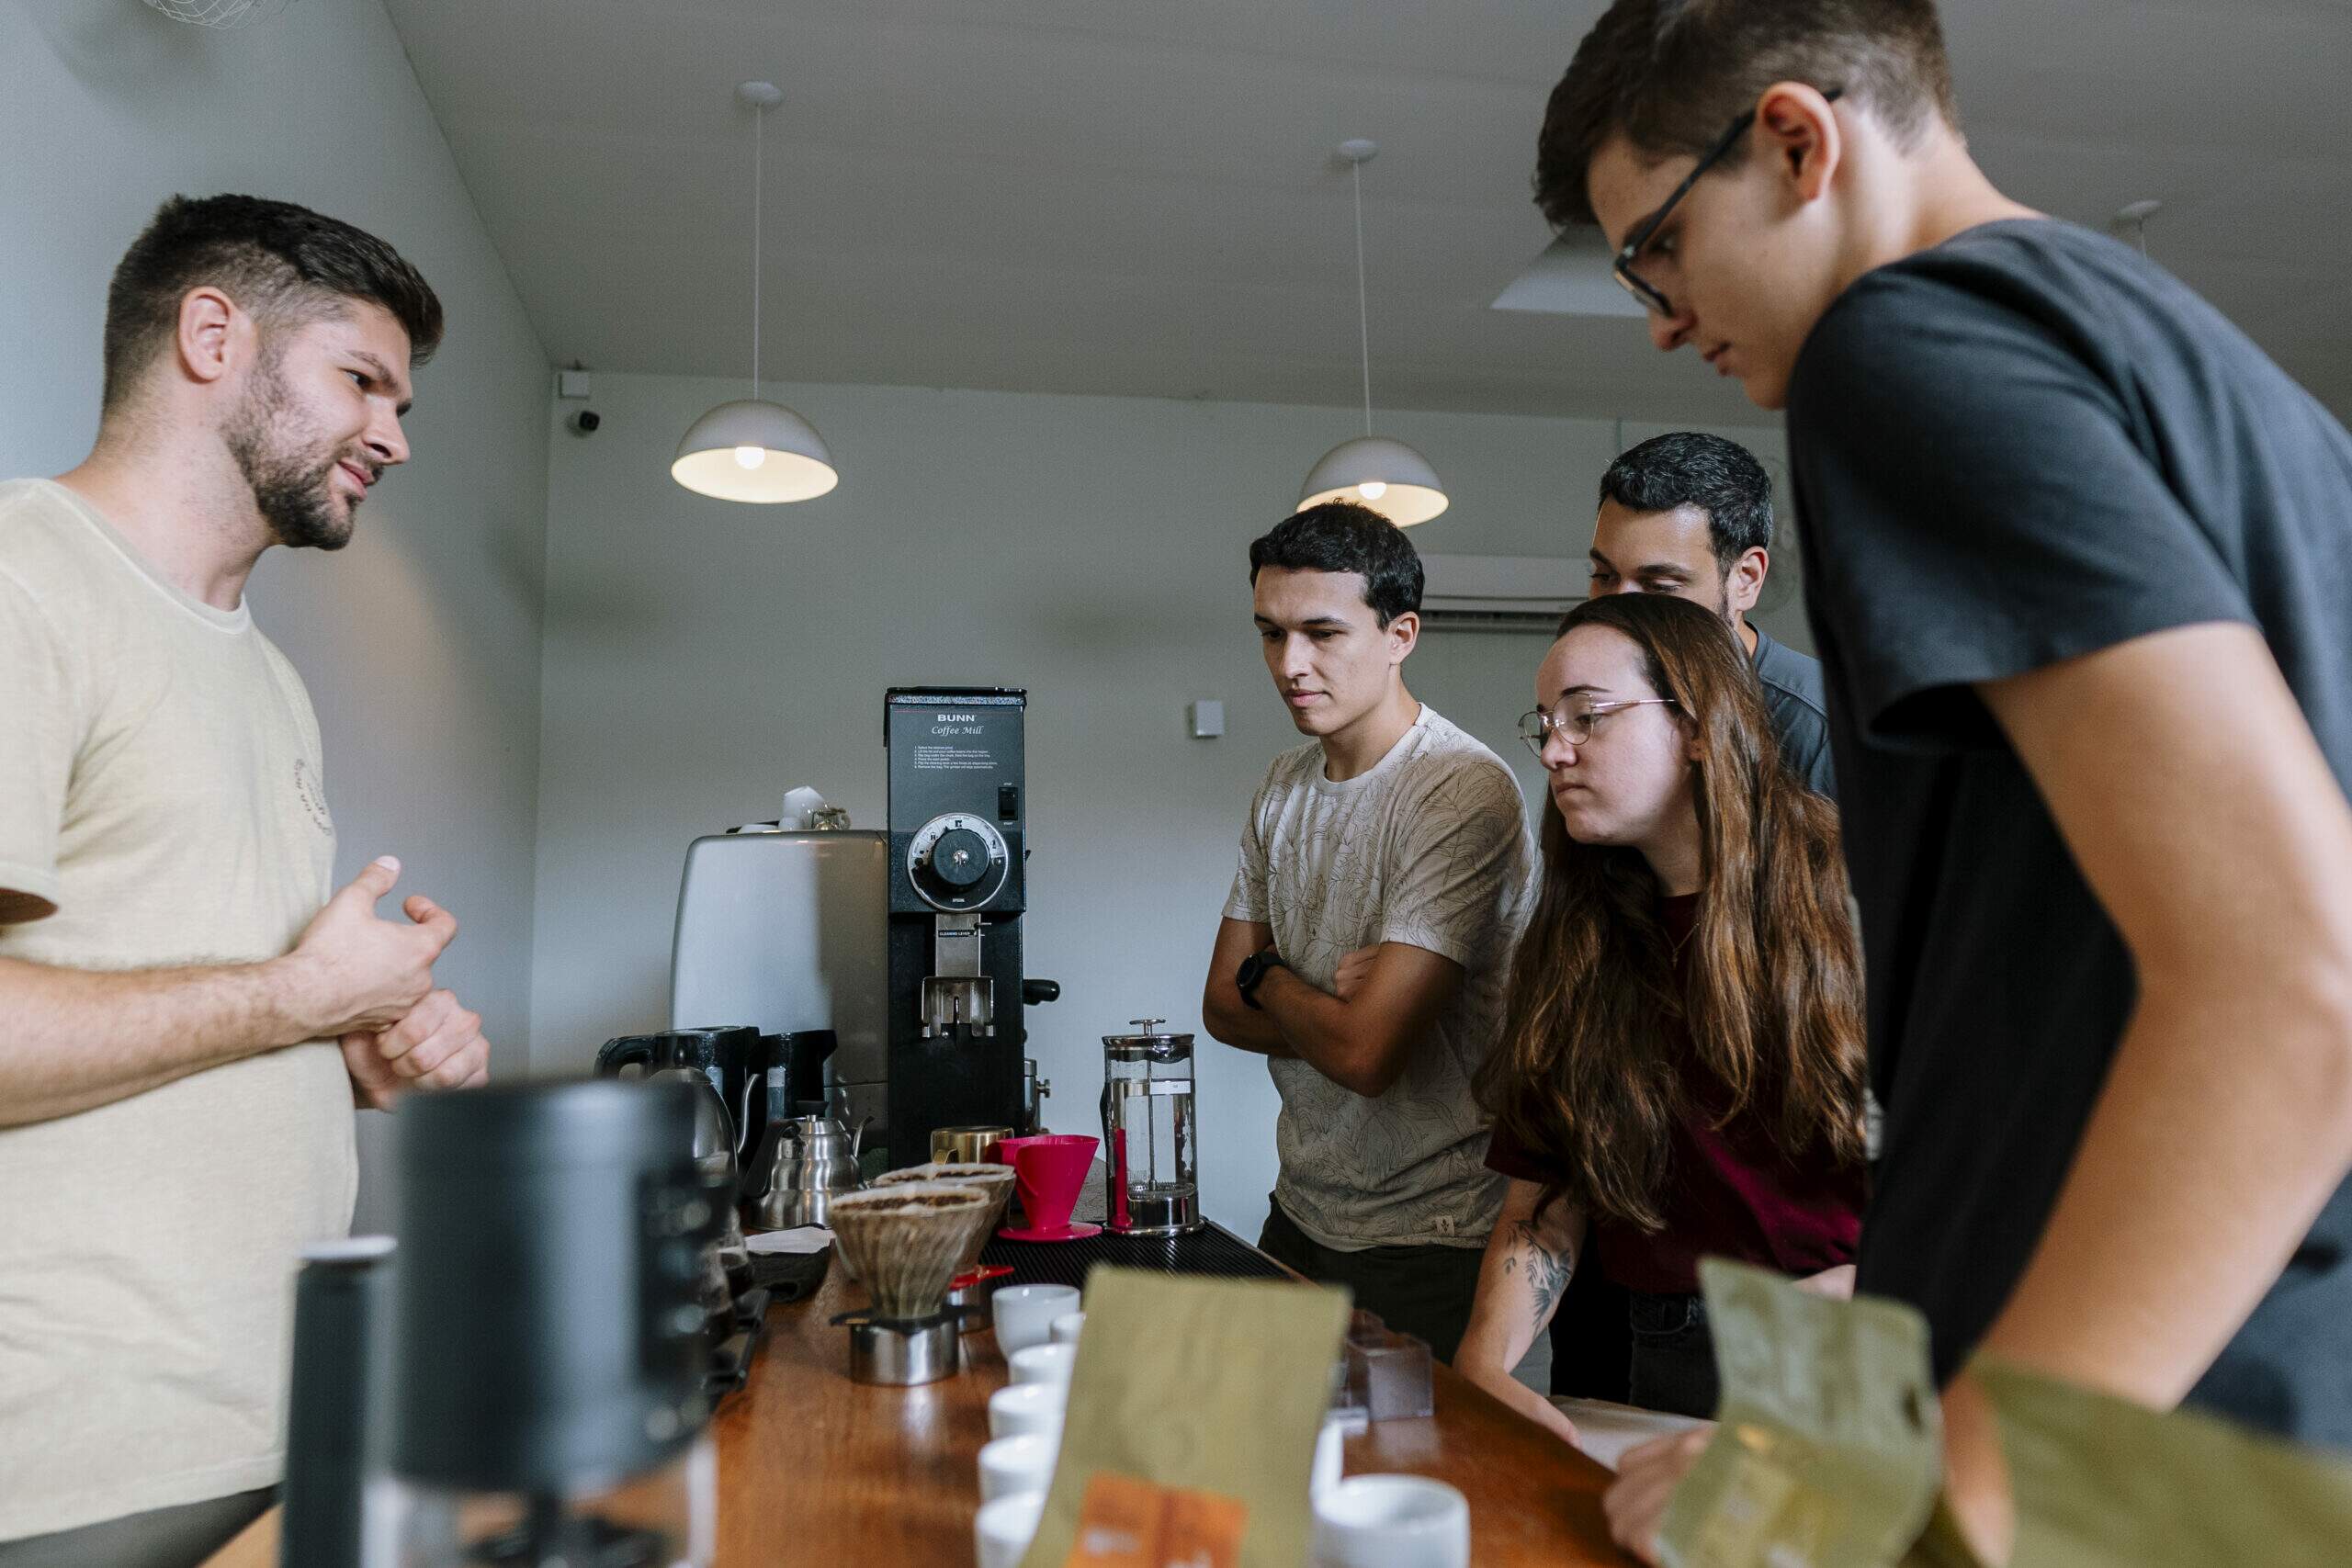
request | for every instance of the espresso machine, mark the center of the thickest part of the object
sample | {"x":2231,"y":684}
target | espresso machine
{"x":781,"y":928}
{"x":957,"y":894}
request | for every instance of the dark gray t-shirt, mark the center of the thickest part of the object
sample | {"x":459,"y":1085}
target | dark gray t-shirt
{"x":2022,"y":446}
{"x":1793,"y":696}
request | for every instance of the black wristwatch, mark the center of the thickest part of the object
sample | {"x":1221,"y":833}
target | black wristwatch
{"x":1253,"y":969}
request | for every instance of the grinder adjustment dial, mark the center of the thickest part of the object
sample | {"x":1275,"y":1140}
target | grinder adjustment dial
{"x":956,"y":860}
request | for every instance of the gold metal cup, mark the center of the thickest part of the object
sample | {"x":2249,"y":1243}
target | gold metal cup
{"x":967,"y":1145}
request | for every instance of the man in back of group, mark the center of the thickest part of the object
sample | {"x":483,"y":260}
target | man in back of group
{"x":1690,"y":514}
{"x":188,"y":1010}
{"x":2077,"y":555}
{"x":1384,"y":872}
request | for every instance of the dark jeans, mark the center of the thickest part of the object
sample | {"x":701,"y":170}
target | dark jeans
{"x":1425,"y":1291}
{"x":160,"y":1537}
{"x":1592,"y":1342}
{"x":1674,"y":1355}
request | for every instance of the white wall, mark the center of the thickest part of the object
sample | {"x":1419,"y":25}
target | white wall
{"x":701,"y":657}
{"x":420,"y":642}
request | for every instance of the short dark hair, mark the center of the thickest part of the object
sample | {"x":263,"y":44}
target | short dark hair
{"x":283,"y":265}
{"x":1689,"y":467}
{"x":1339,"y":536}
{"x":1670,"y":74}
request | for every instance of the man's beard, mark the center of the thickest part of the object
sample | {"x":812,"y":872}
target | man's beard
{"x":293,"y":489}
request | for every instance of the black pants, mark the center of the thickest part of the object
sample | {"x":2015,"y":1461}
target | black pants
{"x":181,"y":1537}
{"x":1674,"y":1355}
{"x":1425,"y":1291}
{"x":1592,"y":1347}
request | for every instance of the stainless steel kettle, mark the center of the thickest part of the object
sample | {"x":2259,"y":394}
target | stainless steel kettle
{"x":725,"y":1265}
{"x":812,"y":1160}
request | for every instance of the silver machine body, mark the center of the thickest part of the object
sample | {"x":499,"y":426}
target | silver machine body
{"x":786,"y":930}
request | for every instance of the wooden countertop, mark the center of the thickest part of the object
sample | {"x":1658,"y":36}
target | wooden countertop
{"x":815,"y":1469}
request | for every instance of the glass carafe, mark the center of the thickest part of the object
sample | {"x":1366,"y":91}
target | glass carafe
{"x":1150,"y":1147}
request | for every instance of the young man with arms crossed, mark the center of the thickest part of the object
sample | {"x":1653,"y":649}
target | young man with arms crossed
{"x":1383,"y":875}
{"x":2078,"y":560}
{"x":191,"y":1009}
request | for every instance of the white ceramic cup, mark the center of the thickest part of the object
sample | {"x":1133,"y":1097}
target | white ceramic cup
{"x":1329,"y":1452}
{"x":1024,"y":1462}
{"x":1002,"y":1530}
{"x":1044,"y":1363}
{"x":1065,"y":1327}
{"x":1027,"y":1407}
{"x":1024,"y":1314}
{"x":1391,"y":1521}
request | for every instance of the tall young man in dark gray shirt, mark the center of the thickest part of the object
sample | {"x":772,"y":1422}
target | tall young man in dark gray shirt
{"x":2078,"y":558}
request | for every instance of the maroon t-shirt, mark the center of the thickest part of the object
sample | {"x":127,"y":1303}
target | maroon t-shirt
{"x":1730,"y":1190}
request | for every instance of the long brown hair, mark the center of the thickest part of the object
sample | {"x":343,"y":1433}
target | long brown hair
{"x":1582,"y":1077}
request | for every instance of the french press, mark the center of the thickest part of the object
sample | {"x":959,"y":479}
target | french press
{"x":1148,"y":1138}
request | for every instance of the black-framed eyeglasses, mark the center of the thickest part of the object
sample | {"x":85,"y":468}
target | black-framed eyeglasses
{"x":1575,"y":722}
{"x":1622,"y":267}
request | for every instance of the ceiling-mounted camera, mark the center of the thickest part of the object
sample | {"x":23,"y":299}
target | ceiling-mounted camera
{"x":585,"y":422}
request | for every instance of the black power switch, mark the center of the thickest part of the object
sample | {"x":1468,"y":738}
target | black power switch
{"x":1008,"y":802}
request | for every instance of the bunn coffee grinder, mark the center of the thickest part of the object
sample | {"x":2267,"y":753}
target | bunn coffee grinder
{"x":957,"y":821}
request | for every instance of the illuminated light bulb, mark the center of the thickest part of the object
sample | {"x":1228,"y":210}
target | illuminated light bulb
{"x":749,"y":457}
{"x":1372,"y":490}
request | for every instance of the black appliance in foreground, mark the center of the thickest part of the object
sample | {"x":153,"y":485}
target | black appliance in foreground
{"x":561,"y":1228}
{"x":959,"y":822}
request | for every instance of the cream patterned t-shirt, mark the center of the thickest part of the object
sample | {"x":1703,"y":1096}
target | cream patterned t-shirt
{"x":160,"y":785}
{"x":1430,"y":849}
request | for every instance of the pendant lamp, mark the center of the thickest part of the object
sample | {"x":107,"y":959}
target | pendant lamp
{"x":1373,"y":470}
{"x":750,"y":449}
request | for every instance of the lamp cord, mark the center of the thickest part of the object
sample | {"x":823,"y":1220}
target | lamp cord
{"x":759,"y":139}
{"x":1363,"y":318}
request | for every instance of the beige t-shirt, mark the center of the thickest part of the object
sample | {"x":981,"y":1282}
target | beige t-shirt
{"x":160,"y":785}
{"x":1431,"y":848}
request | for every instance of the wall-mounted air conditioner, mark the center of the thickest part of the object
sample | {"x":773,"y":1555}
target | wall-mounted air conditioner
{"x":1500,"y":594}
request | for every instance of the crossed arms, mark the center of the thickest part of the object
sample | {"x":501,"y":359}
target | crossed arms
{"x":1388,"y":996}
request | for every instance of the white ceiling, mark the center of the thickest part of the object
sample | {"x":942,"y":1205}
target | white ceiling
{"x":1139,"y":196}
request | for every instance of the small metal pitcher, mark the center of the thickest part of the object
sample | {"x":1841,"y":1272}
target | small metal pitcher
{"x":814,"y":1160}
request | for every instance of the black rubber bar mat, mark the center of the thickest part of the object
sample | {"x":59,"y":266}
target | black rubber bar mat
{"x":1209,"y":1250}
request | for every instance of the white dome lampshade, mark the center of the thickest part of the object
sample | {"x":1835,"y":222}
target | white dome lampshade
{"x":1386,"y":476}
{"x":752,"y":449}
{"x":756,"y":451}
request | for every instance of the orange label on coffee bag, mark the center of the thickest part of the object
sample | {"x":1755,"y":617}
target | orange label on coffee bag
{"x":1124,"y":1522}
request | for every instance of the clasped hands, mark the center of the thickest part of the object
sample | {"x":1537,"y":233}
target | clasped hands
{"x":367,"y":982}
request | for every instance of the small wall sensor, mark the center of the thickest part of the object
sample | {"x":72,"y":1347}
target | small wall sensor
{"x":572,"y":383}
{"x":1208,"y":718}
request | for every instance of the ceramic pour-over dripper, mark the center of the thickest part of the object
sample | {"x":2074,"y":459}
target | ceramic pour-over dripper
{"x":905,"y":1241}
{"x":996,"y":1180}
{"x":1049,"y":1172}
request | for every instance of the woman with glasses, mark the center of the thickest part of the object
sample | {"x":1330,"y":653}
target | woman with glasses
{"x":1680,"y":1071}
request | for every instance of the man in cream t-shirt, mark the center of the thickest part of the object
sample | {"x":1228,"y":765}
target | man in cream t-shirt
{"x":191,"y":1010}
{"x":1384,"y":872}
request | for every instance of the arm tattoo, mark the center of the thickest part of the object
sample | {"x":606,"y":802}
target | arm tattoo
{"x":1547,"y":1271}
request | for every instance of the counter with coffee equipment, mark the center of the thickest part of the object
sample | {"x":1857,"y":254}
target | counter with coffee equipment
{"x":815,"y":1468}
{"x":870,"y":981}
{"x":519,"y":1223}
